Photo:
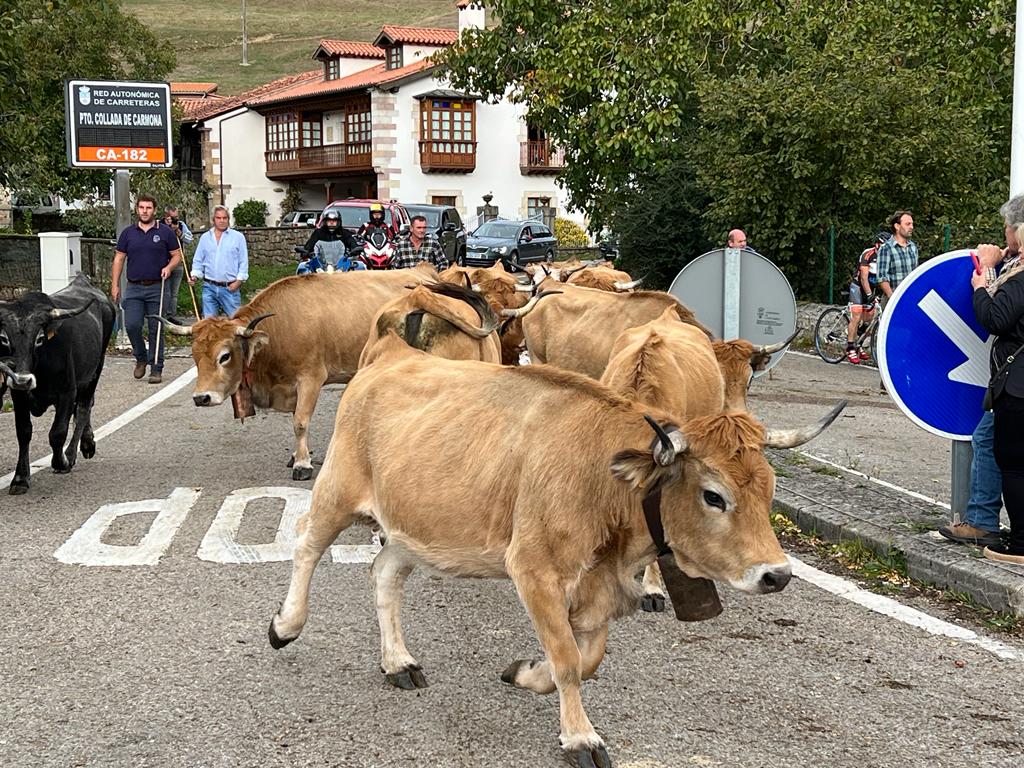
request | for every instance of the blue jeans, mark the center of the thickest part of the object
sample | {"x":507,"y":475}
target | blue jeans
{"x":139,"y":301}
{"x":986,"y":479}
{"x":216,"y":297}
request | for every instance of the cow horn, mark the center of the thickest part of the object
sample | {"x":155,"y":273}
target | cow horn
{"x":62,"y":314}
{"x":6,"y":370}
{"x":528,"y":307}
{"x":621,"y":286}
{"x":791,"y":438}
{"x":469,"y":283}
{"x":566,"y":274}
{"x":248,"y":330}
{"x":672,"y":443}
{"x":177,"y":330}
{"x":520,"y":288}
{"x":771,"y":349}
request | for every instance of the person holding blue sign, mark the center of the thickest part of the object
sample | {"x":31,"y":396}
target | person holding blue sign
{"x":999,"y":308}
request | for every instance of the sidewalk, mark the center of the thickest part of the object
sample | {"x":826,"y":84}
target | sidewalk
{"x":839,"y":506}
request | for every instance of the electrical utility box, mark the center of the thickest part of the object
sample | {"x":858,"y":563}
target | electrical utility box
{"x":60,"y":259}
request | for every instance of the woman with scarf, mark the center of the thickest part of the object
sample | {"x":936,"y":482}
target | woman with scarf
{"x":999,"y":308}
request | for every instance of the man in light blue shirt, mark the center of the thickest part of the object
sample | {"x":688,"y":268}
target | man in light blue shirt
{"x":221,"y":260}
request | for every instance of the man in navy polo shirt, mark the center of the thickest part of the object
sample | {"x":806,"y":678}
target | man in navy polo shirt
{"x":151,"y":251}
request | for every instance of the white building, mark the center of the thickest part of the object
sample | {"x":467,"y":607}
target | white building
{"x":374,"y":122}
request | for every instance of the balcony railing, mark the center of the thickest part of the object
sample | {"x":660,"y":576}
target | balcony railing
{"x":329,"y":157}
{"x":540,"y":157}
{"x":448,"y":156}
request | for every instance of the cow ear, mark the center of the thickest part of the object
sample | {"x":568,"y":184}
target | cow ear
{"x":639,"y":469}
{"x":257,"y":341}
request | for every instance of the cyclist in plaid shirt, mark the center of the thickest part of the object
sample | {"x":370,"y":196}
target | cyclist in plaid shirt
{"x":898,"y":256}
{"x":419,"y":245}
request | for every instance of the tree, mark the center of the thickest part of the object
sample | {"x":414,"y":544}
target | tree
{"x":41,"y":44}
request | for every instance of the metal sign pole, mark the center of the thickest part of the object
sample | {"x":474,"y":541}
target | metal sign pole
{"x":731,"y":295}
{"x":122,"y":219}
{"x":960,"y":476}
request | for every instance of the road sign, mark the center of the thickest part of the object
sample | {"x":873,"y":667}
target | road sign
{"x":118,"y":124}
{"x":932,"y":353}
{"x":739,"y":294}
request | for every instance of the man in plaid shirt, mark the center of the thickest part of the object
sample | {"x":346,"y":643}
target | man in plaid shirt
{"x":898,"y":256}
{"x":419,"y":245}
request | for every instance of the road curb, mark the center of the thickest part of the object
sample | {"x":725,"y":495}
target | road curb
{"x":846,"y":508}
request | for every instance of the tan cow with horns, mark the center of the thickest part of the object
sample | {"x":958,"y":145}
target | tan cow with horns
{"x":573,"y":563}
{"x":311,"y":332}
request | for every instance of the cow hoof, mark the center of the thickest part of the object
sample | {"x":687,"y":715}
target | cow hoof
{"x":62,"y":470}
{"x":589,"y":758}
{"x":276,"y":641}
{"x":18,"y":487}
{"x":88,"y":448}
{"x":291,"y":462}
{"x":408,"y":678}
{"x":512,"y":670}
{"x":653,"y":603}
{"x":302,"y":473}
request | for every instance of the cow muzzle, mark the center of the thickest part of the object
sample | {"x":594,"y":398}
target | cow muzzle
{"x":21,"y":381}
{"x":203,"y":399}
{"x":764,"y":578}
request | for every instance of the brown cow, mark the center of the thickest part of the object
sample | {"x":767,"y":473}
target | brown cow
{"x":312,"y":331}
{"x":502,"y":291}
{"x":576,"y":330}
{"x":601,"y":277}
{"x":443,"y":319}
{"x":572,"y":562}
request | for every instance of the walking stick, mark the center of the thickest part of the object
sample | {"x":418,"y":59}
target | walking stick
{"x":187,"y":275}
{"x":158,"y":357}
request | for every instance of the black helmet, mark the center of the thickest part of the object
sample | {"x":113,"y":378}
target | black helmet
{"x":332,"y":216}
{"x":882,"y":236}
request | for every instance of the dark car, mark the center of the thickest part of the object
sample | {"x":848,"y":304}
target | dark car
{"x":513,"y":242}
{"x":444,"y":220}
{"x":355,"y":212}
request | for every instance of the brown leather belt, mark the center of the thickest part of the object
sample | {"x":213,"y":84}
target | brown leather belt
{"x":215,"y":282}
{"x":143,"y":282}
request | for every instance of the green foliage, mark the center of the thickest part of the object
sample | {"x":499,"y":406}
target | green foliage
{"x":292,"y":200}
{"x":251,"y":213}
{"x":570,"y":234}
{"x":190,"y":199}
{"x":91,"y":220}
{"x":42,"y":42}
{"x":780,"y":118}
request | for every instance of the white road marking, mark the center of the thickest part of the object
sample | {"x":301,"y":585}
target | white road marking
{"x":895,"y":610}
{"x":165,"y":392}
{"x":877,"y":481}
{"x":219,"y":544}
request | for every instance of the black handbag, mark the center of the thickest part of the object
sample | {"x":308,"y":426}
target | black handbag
{"x":998,"y":382}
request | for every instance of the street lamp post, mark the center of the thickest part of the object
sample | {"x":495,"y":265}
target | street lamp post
{"x":245,"y":39}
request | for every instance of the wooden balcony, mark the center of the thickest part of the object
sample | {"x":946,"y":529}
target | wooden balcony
{"x":448,"y":156}
{"x":537,"y":157}
{"x":314,"y":161}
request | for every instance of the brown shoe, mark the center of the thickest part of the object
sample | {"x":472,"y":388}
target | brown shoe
{"x":155,"y":377}
{"x":140,"y":370}
{"x":965,"y":533}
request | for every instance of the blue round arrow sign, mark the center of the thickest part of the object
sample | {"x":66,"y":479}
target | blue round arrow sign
{"x":933,"y":354}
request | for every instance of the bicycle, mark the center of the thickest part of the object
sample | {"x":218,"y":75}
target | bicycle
{"x":830,"y":333}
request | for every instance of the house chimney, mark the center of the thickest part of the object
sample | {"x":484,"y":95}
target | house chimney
{"x":471,"y":14}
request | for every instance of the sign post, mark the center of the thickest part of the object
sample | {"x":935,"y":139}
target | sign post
{"x":934,"y":358}
{"x":739,"y":294}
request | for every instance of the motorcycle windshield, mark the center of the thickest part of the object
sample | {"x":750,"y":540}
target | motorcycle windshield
{"x":378,"y":238}
{"x":329,"y":252}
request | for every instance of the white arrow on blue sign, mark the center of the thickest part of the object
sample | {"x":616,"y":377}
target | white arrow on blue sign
{"x":933,"y":354}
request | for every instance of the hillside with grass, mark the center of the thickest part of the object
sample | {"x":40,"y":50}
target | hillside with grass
{"x":282,"y":33}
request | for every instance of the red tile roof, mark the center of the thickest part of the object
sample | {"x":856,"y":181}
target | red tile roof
{"x":418,"y":35}
{"x":216,"y":105}
{"x":375,"y":75}
{"x":181,"y":89}
{"x":351,"y":49}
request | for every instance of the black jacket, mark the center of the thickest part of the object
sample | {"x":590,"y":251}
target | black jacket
{"x":323,"y":233}
{"x":1003,"y":315}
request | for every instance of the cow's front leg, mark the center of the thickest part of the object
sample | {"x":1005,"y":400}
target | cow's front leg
{"x":59,"y":435}
{"x":390,"y":569}
{"x":654,"y":594}
{"x":23,"y":426}
{"x":545,"y":600}
{"x":536,"y":674}
{"x":307,"y":393}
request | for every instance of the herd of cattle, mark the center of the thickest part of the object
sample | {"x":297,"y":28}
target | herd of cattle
{"x":633,"y":440}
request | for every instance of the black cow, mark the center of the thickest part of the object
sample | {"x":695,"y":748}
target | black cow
{"x":51,"y":353}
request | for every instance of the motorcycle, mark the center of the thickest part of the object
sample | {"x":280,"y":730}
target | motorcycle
{"x":320,"y":259}
{"x":378,"y":250}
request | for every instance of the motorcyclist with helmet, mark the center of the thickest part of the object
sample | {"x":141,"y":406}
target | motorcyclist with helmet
{"x":376,"y":221}
{"x":330,"y":241}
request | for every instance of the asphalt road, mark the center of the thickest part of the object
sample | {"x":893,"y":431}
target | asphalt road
{"x":167,"y":663}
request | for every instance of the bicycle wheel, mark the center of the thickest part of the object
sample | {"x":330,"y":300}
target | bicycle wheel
{"x":830,"y":334}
